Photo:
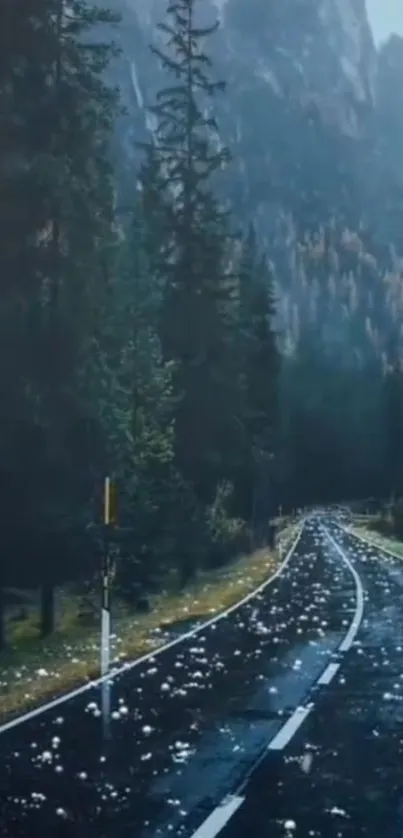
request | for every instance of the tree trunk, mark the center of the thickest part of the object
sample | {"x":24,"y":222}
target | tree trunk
{"x":187,"y":570}
{"x":47,"y":623}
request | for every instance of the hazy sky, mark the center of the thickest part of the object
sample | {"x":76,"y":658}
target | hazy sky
{"x":386,"y":16}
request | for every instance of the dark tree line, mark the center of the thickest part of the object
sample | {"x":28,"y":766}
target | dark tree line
{"x":142,"y":349}
{"x":145,"y":348}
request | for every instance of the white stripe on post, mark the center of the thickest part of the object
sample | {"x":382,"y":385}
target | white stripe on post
{"x":105,"y":660}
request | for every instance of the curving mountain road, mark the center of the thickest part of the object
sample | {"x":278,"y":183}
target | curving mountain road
{"x":216,"y":714}
{"x":341,"y":775}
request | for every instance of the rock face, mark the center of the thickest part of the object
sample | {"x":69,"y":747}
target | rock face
{"x":301,"y":94}
{"x":390,"y":100}
{"x":313,"y":119}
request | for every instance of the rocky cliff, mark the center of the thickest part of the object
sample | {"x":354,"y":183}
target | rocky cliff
{"x":312,"y":117}
{"x":301,"y":89}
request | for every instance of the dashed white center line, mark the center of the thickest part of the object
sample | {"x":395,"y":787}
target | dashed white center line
{"x":328,"y":674}
{"x":223,"y":813}
{"x":285,"y":734}
{"x":219,"y":817}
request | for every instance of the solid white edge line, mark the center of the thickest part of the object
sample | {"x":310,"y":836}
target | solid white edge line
{"x":372,"y":544}
{"x":285,"y":734}
{"x":287,"y":731}
{"x":219,"y":817}
{"x":126,"y":667}
{"x":348,"y":641}
{"x":328,"y":674}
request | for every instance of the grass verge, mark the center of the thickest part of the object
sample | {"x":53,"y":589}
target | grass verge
{"x":34,"y":671}
{"x":364,"y":520}
{"x":379,"y":540}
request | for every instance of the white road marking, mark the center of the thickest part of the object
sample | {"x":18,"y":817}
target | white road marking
{"x":219,"y":817}
{"x":348,"y":641}
{"x":329,"y":673}
{"x":126,"y":667}
{"x":285,"y":734}
{"x":372,"y":544}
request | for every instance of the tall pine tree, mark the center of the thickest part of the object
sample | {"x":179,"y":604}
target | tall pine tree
{"x":197,"y":313}
{"x":259,"y":362}
{"x":57,"y":203}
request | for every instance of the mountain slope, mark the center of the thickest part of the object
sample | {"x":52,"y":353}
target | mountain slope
{"x":310,"y":117}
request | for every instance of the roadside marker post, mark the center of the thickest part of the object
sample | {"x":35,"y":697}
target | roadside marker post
{"x":109,"y":517}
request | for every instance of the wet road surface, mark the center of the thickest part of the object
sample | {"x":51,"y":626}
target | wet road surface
{"x":341,"y":776}
{"x":190,"y":724}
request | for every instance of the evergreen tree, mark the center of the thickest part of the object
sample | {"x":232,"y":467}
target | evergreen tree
{"x":393,"y":429}
{"x":57,"y":205}
{"x":133,"y":393}
{"x":197,"y":315}
{"x":259,"y":363}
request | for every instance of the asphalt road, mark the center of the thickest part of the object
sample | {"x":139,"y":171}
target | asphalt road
{"x":341,"y":776}
{"x":272,"y":705}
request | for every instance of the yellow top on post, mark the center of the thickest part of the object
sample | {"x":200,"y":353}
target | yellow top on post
{"x":110,"y":506}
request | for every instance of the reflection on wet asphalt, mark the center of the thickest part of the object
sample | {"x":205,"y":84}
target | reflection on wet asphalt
{"x":187,"y":725}
{"x":341,"y":776}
